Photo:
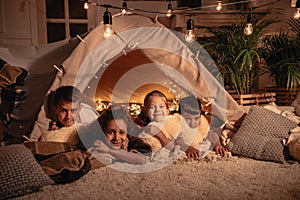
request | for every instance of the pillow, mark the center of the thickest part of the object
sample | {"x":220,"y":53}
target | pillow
{"x":20,"y":173}
{"x":64,"y":134}
{"x":261,"y":134}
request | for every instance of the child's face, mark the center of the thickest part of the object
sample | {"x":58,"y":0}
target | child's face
{"x":116,"y":132}
{"x":192,"y":120}
{"x":157,"y":109}
{"x":67,"y":112}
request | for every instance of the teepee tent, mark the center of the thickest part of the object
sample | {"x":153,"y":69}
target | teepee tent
{"x":142,"y":56}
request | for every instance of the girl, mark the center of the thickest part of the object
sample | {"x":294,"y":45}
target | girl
{"x":117,"y":144}
{"x":163,"y":127}
{"x":155,"y":109}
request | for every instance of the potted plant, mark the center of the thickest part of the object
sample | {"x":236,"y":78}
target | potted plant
{"x":238,"y":57}
{"x":281,"y":53}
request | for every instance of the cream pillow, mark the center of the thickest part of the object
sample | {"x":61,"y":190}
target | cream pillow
{"x":64,"y":134}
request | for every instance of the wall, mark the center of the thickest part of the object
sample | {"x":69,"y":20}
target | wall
{"x":16,"y":23}
{"x":20,"y":21}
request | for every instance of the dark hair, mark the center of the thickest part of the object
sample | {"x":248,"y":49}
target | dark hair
{"x":118,"y":113}
{"x":67,"y":93}
{"x":143,"y":119}
{"x":190,"y":104}
{"x":154,"y":93}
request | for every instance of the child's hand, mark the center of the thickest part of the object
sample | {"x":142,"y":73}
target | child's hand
{"x":219,"y":148}
{"x":53,"y":126}
{"x":192,"y":152}
{"x":152,"y":130}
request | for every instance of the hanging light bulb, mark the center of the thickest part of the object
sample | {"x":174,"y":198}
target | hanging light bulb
{"x":248,"y":30}
{"x":169,"y":12}
{"x":107,"y":21}
{"x":86,"y":5}
{"x":219,"y":5}
{"x":190,"y":35}
{"x":297,"y":11}
{"x":124,"y":7}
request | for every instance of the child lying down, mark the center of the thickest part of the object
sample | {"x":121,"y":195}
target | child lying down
{"x":176,"y":129}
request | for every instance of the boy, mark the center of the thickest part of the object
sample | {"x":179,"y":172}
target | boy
{"x":66,"y":108}
{"x":67,"y":105}
{"x":190,"y":109}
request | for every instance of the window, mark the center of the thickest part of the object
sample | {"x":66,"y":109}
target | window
{"x":65,"y":19}
{"x":189,"y":3}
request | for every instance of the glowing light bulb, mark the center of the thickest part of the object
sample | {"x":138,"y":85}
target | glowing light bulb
{"x":219,"y":6}
{"x":190,"y":35}
{"x":297,"y":13}
{"x":124,"y":7}
{"x":169,"y":12}
{"x":107,"y":21}
{"x":248,"y":30}
{"x":86,"y":5}
{"x":108,"y":31}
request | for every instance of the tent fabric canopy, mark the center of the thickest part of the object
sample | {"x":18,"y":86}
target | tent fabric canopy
{"x":142,"y":56}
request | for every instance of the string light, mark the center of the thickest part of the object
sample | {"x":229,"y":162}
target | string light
{"x":248,"y":30}
{"x":297,"y":11}
{"x":124,"y":7}
{"x":169,"y":12}
{"x":107,"y":21}
{"x":219,"y":5}
{"x":190,"y":35}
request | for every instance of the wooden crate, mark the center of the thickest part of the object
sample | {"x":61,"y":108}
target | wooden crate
{"x":255,"y":99}
{"x":283,"y":96}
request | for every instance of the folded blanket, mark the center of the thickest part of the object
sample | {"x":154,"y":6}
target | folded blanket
{"x":61,"y":161}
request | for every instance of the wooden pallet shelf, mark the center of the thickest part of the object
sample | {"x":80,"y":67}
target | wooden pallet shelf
{"x":283,"y":96}
{"x":255,"y":99}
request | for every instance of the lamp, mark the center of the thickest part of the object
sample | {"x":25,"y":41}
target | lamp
{"x":124,"y":7}
{"x":107,"y":21}
{"x":297,"y":11}
{"x":169,"y":12}
{"x":190,"y":35}
{"x":249,"y":27}
{"x":219,"y":5}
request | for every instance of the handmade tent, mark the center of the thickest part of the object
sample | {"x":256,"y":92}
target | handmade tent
{"x":142,"y":56}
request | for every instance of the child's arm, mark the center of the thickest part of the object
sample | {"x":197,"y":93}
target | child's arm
{"x":130,"y":157}
{"x":214,"y":137}
{"x":157,"y":133}
{"x":190,"y":151}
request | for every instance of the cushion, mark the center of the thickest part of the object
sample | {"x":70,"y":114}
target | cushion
{"x":64,"y":134}
{"x":261,"y":135}
{"x":20,"y":173}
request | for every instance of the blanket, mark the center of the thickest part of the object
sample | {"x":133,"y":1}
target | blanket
{"x":173,"y":127}
{"x":61,"y":161}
